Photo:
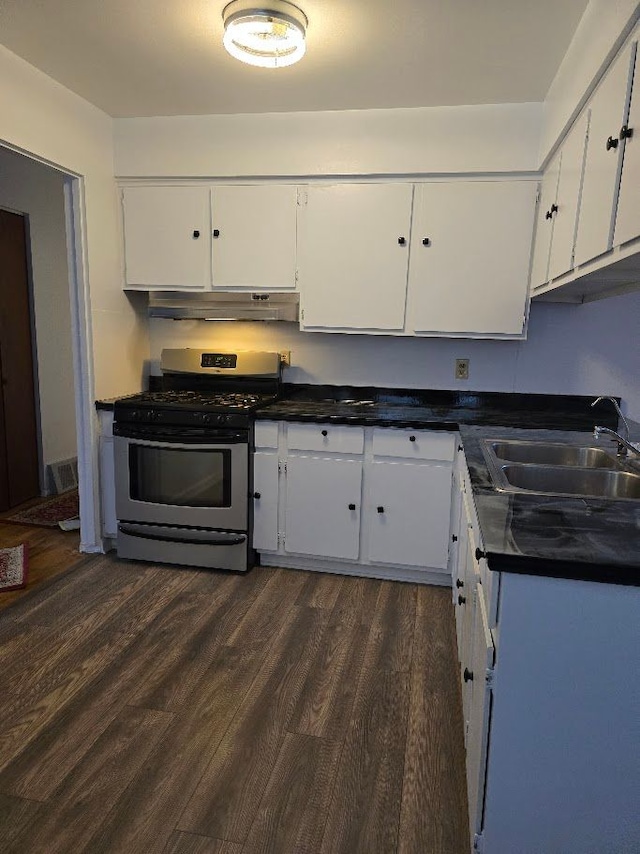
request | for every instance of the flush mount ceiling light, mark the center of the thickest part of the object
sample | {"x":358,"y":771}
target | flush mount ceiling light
{"x":270,"y":36}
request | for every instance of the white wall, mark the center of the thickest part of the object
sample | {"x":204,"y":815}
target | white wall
{"x":38,"y":191}
{"x":601,"y":31}
{"x":589,"y":349}
{"x":40,"y":117}
{"x":488,"y":138}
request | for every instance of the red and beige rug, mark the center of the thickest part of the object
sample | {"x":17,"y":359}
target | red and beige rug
{"x":13,"y":568}
{"x":48,"y":512}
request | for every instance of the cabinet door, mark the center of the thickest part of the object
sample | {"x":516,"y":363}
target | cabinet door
{"x":565,"y":217}
{"x":472,"y":276}
{"x":265,"y":501}
{"x":603,"y":163}
{"x":544,"y":223}
{"x":408,"y":508}
{"x":482,"y":657}
{"x":167,"y":237}
{"x":628,"y":215}
{"x":353,"y":256}
{"x":254,"y":236}
{"x":323,"y":507}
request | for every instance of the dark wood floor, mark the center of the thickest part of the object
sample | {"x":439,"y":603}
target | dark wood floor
{"x":150,"y":709}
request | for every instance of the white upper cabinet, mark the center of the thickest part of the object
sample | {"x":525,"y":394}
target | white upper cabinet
{"x":565,"y":212}
{"x":544,"y":222}
{"x":604,"y":157}
{"x":254,"y":236}
{"x":353,"y":255}
{"x":470,"y":254}
{"x":167,"y":237}
{"x":628,"y":216}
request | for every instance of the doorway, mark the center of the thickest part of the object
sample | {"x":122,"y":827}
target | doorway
{"x":19,"y":464}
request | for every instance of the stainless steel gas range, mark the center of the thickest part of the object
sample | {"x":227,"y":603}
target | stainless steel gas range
{"x":183,"y":459}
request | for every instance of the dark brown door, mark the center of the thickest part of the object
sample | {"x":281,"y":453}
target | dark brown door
{"x":18,"y":429}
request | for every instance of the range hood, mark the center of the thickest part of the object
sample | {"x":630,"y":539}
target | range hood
{"x":224,"y":306}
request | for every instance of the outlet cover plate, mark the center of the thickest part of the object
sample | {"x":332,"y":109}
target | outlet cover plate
{"x":462,"y":369}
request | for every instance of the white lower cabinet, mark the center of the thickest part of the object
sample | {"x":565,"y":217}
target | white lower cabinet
{"x":550,"y":704}
{"x":322,"y":510}
{"x":366,"y":501}
{"x":265,"y":500}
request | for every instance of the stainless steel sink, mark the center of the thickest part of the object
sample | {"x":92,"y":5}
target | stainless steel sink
{"x":556,"y":480}
{"x":554,"y":454}
{"x":563,"y":469}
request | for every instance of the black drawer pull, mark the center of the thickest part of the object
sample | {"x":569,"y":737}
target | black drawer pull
{"x":256,"y":495}
{"x":626,"y":132}
{"x":401,"y":241}
{"x":196,"y":235}
{"x":426,"y":241}
{"x":461,"y":599}
{"x":380,"y":509}
{"x":216,"y":232}
{"x":459,"y":583}
{"x":612,"y":143}
{"x":324,"y":432}
{"x":467,"y":675}
{"x":480,"y":554}
{"x":412,"y":438}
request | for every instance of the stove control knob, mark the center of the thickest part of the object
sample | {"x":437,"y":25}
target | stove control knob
{"x":134,"y":414}
{"x":205,"y":417}
{"x":221,"y":419}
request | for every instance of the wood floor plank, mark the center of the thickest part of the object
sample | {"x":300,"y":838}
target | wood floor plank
{"x":189,"y":843}
{"x":365,"y":807}
{"x":148,"y":812}
{"x":16,"y":815}
{"x":49,"y":758}
{"x":293,"y":812}
{"x":356,"y":601}
{"x":169,"y":685}
{"x":393,"y":625}
{"x":70,"y":819}
{"x":225,"y":802}
{"x":321,"y":590}
{"x":31,"y":711}
{"x":434,"y":796}
{"x":325,"y":704}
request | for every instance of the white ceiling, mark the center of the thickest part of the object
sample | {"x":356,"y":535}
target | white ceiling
{"x":165,"y":57}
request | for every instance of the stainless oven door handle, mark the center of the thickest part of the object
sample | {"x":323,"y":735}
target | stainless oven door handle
{"x":192,"y":536}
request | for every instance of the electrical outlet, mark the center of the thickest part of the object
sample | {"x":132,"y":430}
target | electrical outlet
{"x":462,"y":369}
{"x":285,"y":358}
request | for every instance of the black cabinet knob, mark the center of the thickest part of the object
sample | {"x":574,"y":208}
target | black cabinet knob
{"x":612,"y":143}
{"x":461,"y":599}
{"x":256,"y":495}
{"x":401,"y":241}
{"x":467,"y":675}
{"x":459,"y":583}
{"x":454,"y":538}
{"x":459,"y":447}
{"x":480,"y":554}
{"x":352,"y":507}
{"x":426,"y":241}
{"x":548,"y":215}
{"x":196,"y":235}
{"x":216,"y":232}
{"x":553,"y":209}
{"x":380,"y":509}
{"x":626,"y":132}
{"x":324,"y":432}
{"x":412,"y":438}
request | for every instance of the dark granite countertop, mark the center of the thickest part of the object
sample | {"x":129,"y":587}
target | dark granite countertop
{"x":434,"y":409}
{"x":582,"y":538}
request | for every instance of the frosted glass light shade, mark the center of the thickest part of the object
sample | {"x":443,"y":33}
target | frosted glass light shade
{"x":270,"y":37}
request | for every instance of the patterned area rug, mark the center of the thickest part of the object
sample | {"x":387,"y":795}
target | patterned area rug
{"x":13,"y":568}
{"x":49,"y":512}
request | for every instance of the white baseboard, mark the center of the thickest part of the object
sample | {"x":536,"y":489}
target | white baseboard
{"x":439,"y":577}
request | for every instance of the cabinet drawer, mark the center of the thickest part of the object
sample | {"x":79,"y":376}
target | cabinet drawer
{"x":266,"y":434}
{"x":413,"y":444}
{"x":325,"y":437}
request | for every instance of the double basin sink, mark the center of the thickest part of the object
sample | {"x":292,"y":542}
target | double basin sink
{"x":548,"y":468}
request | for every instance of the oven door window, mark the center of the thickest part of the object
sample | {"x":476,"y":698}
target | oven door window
{"x":182,"y":477}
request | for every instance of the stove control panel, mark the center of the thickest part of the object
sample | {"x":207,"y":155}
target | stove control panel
{"x":219,"y":360}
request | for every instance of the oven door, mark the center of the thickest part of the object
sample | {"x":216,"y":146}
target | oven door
{"x":201,"y":484}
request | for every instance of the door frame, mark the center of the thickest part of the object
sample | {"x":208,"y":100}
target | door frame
{"x":82,"y":350}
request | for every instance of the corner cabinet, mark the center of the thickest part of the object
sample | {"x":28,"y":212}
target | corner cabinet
{"x":597,"y":208}
{"x":360,"y":500}
{"x":438,"y":258}
{"x":203,"y":237}
{"x":550,"y":702}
